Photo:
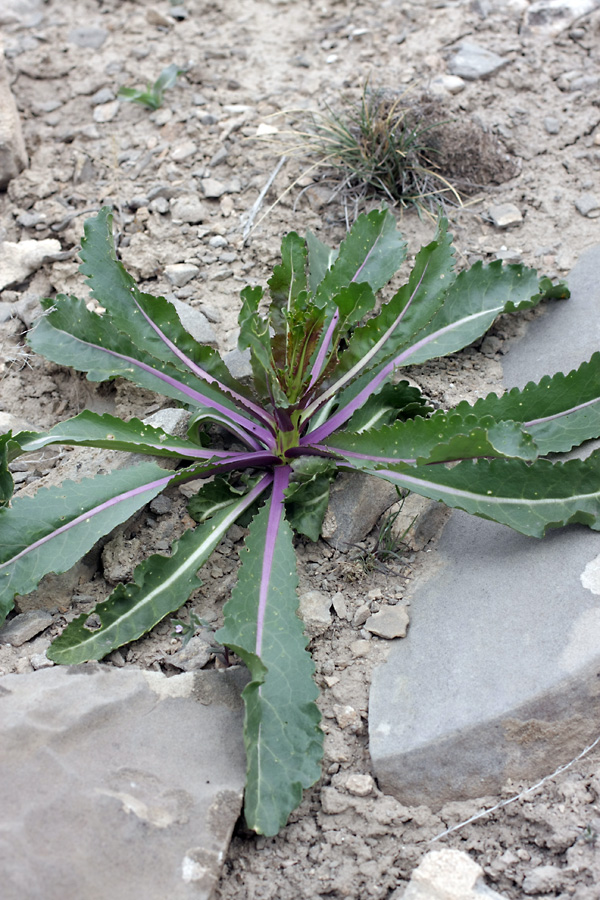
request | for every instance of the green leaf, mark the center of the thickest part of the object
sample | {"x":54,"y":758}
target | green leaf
{"x":393,"y":401}
{"x":254,"y":335}
{"x":71,"y":335}
{"x":372,"y":251}
{"x":133,"y":312}
{"x":471,"y":305}
{"x":52,"y":530}
{"x":289,"y":279}
{"x":409,"y":310}
{"x":168,"y":77}
{"x":560,"y":412}
{"x":161,"y":585}
{"x":442,"y":438}
{"x":307,"y":496}
{"x":213,"y":497}
{"x":320,"y":259}
{"x":281,"y":731}
{"x":6,"y":480}
{"x":529,"y":497}
{"x":89,"y":429}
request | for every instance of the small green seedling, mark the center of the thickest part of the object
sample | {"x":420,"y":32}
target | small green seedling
{"x":152,"y":97}
{"x":187,"y":630}
{"x":326,"y":397}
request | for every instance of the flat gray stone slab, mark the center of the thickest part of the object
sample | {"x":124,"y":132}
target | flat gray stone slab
{"x":118,"y":783}
{"x":499,"y":676}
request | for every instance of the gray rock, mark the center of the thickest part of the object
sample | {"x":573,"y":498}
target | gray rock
{"x":238,"y":363}
{"x":13,"y":156}
{"x":184,"y":150}
{"x":24,"y":627}
{"x":117,"y":782}
{"x":447,"y":875}
{"x":160,"y":205}
{"x":503,"y":651}
{"x":161,"y":505}
{"x":106,"y":112}
{"x":447,"y":84}
{"x":588,"y":205}
{"x":314,"y":610}
{"x":170,"y":419}
{"x":418,"y":521}
{"x":88,"y":36}
{"x":180,"y":273}
{"x":473,"y":62}
{"x":356,"y":503}
{"x":188,"y":208}
{"x":19,"y":261}
{"x":104,"y":95}
{"x":390,"y":622}
{"x":220,"y":155}
{"x":505,"y":215}
{"x":213,"y":188}
{"x":195,"y":323}
{"x":24,"y":13}
{"x":544,"y":880}
{"x":550,"y":17}
{"x":195,"y":655}
{"x":155,"y":17}
{"x":551,"y":125}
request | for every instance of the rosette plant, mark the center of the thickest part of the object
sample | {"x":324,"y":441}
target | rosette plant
{"x":327,"y":395}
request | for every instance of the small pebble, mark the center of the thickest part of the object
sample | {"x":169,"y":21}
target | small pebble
{"x":360,"y":785}
{"x":588,"y":205}
{"x":106,"y":112}
{"x":104,"y":95}
{"x":360,"y":649}
{"x":155,"y":17}
{"x":183,"y":151}
{"x":180,"y":273}
{"x":361,"y":615}
{"x":40,"y":661}
{"x":504,"y":215}
{"x":88,"y":36}
{"x":347,"y":717}
{"x":551,"y":125}
{"x":390,"y":622}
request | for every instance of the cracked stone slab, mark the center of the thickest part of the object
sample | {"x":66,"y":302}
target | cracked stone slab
{"x":498,"y":676}
{"x":118,"y":783}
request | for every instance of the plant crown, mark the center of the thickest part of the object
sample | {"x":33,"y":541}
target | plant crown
{"x":326,"y":396}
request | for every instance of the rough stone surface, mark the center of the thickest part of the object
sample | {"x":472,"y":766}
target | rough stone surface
{"x":314,"y":611}
{"x":88,"y":36}
{"x":355,"y":504}
{"x":550,"y":17}
{"x":19,"y":261}
{"x":238,"y":363}
{"x":588,"y":205}
{"x":447,"y":875}
{"x":447,"y":84}
{"x":24,"y":627}
{"x":390,"y":622}
{"x":117,"y":782}
{"x":498,"y":676}
{"x":195,"y":323}
{"x":188,"y":208}
{"x":503,"y":215}
{"x":472,"y":62}
{"x":13,"y":156}
{"x":180,"y":273}
{"x":25,"y":13}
